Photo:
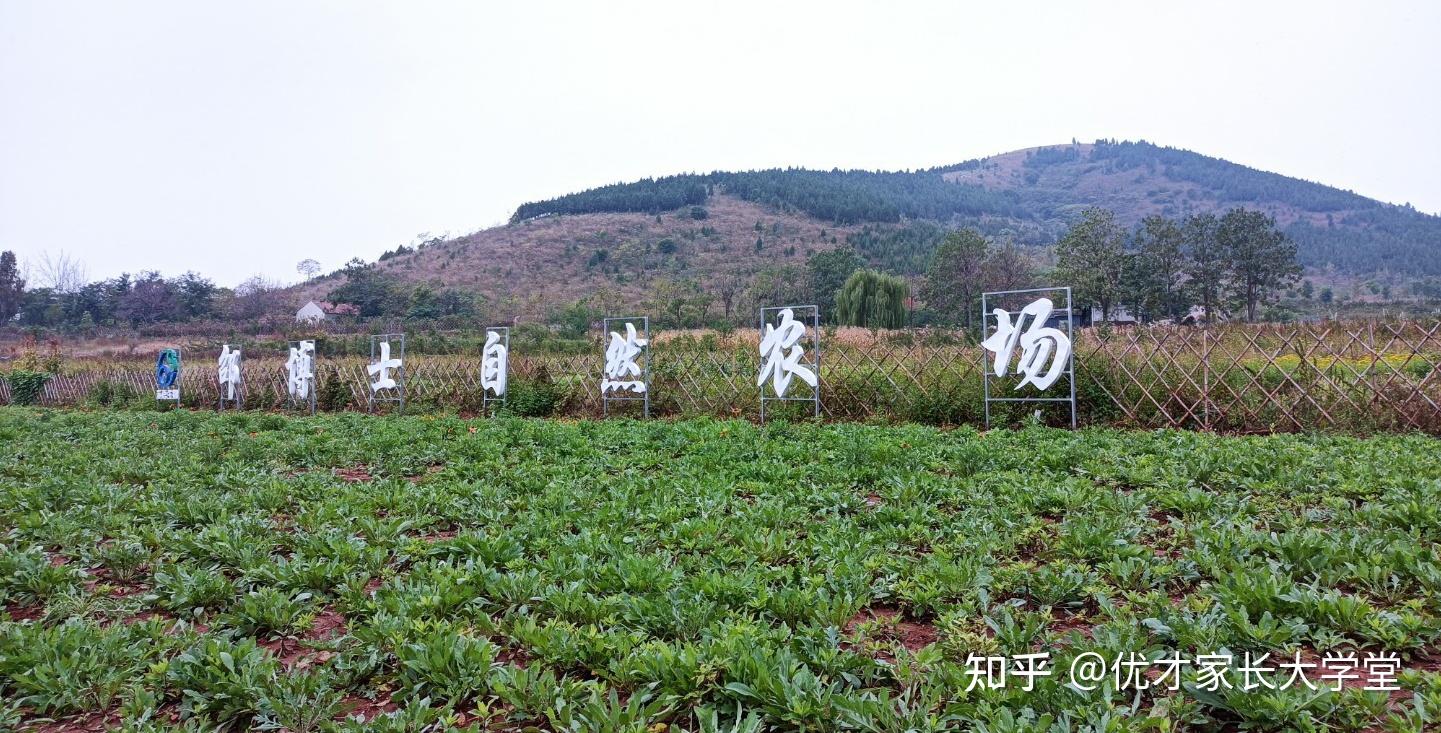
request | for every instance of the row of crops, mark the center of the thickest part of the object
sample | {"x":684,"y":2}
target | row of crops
{"x":250,"y":570}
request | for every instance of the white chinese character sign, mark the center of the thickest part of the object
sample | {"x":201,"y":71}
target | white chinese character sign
{"x":387,"y":370}
{"x":626,"y":377}
{"x":300,"y":374}
{"x":167,"y":376}
{"x":1040,"y":352}
{"x":787,"y":354}
{"x":228,"y":378}
{"x":494,"y":365}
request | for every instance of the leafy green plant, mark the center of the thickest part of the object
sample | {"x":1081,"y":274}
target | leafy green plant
{"x":26,"y":387}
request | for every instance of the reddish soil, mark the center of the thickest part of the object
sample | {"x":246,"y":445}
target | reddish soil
{"x":366,"y":710}
{"x":297,"y":652}
{"x":355,"y":474}
{"x":118,"y":588}
{"x":17,"y":612}
{"x":874,"y":500}
{"x":1066,"y":623}
{"x":437,"y":468}
{"x":76,"y":723}
{"x":913,"y":635}
{"x":438,"y":536}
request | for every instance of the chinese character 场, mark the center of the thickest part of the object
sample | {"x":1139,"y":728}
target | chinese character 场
{"x":1041,"y":346}
{"x":493,"y":364}
{"x":620,"y":362}
{"x":781,"y":353}
{"x":228,"y":371}
{"x":300,"y":370}
{"x":381,"y":369}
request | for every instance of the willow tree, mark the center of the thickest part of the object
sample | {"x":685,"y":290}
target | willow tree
{"x":872,"y":299}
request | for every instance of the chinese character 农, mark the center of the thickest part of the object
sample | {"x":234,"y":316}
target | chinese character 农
{"x":781,"y":353}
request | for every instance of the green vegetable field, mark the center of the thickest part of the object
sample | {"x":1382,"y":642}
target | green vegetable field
{"x":347,"y":572}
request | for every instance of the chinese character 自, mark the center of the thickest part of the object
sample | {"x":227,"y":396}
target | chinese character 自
{"x":493,"y":364}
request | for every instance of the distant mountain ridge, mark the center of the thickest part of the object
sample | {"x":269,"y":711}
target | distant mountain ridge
{"x":1034,"y":194}
{"x":615,"y":243}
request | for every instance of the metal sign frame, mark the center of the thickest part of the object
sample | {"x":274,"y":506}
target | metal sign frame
{"x":398,"y":394}
{"x":605,"y":400}
{"x":312,"y":388}
{"x":485,"y":399}
{"x":987,"y":318}
{"x":814,"y":363}
{"x":238,"y":401}
{"x":179,"y":376}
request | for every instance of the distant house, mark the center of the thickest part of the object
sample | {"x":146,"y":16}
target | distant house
{"x":310,"y":313}
{"x":315,"y":312}
{"x":1119,"y":314}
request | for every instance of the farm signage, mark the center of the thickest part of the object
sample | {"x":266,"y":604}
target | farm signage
{"x":783,"y":357}
{"x":494,"y":365}
{"x":387,"y":369}
{"x":627,"y":363}
{"x":300,"y":373}
{"x":228,"y":377}
{"x":167,"y":375}
{"x":1045,"y":351}
{"x":1042,"y":347}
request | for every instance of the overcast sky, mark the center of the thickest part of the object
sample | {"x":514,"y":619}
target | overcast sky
{"x":238,"y":138}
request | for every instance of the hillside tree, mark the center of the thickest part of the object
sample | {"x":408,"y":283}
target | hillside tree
{"x":956,"y":277}
{"x":1263,"y":259}
{"x":1156,"y":273}
{"x":1008,"y":268}
{"x":1090,"y":257}
{"x":727,"y":288}
{"x":826,"y":272}
{"x":12,"y":287}
{"x":1206,"y":264}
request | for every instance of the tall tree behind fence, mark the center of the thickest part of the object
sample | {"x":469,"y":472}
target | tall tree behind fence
{"x":1360,"y":376}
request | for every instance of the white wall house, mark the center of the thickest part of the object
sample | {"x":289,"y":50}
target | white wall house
{"x":310,"y":313}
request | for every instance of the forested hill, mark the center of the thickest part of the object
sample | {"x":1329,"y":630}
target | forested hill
{"x":1032,"y":195}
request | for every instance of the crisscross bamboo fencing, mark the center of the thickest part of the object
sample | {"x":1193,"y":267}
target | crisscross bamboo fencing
{"x":1346,"y":376}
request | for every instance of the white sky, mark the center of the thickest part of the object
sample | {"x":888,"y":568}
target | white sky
{"x":239,"y":138}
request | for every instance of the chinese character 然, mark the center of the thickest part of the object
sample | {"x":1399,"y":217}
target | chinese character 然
{"x":620,"y":362}
{"x":229,"y":370}
{"x":493,"y":364}
{"x":781,"y":351}
{"x":1039,"y":344}
{"x":300,"y":369}
{"x":381,"y":369}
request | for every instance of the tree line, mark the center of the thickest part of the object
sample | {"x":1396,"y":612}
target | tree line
{"x":68,"y":302}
